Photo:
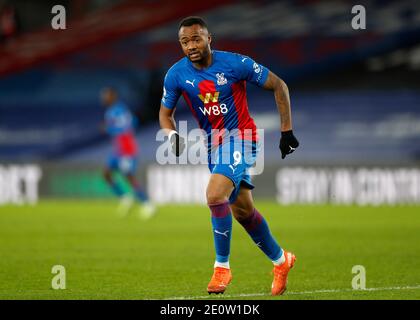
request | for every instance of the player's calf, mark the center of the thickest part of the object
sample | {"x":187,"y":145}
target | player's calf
{"x":221,"y":218}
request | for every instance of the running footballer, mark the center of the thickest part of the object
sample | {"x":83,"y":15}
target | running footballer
{"x":213,"y":84}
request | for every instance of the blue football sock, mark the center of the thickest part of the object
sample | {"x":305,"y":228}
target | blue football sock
{"x":257,"y":228}
{"x":141,"y":195}
{"x":221,"y":219}
{"x":116,"y":189}
{"x":138,"y":191}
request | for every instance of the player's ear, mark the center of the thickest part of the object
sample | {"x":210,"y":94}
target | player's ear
{"x":209,"y":38}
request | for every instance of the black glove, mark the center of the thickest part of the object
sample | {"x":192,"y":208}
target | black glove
{"x":288,"y":143}
{"x":177,"y":143}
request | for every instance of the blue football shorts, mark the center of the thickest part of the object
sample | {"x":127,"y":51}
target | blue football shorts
{"x":124,"y":164}
{"x":233,"y":159}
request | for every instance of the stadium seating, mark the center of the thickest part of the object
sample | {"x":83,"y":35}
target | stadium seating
{"x":50,"y":108}
{"x":343,"y":128}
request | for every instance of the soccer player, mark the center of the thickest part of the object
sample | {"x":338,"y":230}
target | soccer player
{"x":119,"y":124}
{"x":213,"y":84}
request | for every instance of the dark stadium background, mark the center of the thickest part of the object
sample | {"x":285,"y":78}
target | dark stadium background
{"x":355,"y":93}
{"x":349,"y":196}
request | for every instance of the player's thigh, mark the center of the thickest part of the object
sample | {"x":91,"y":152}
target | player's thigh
{"x":131,"y":178}
{"x":243,"y":205}
{"x":225,"y":179}
{"x":110,"y":167}
{"x":219,"y":188}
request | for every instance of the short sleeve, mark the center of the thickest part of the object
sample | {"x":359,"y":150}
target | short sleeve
{"x":250,"y":70}
{"x":171,"y":91}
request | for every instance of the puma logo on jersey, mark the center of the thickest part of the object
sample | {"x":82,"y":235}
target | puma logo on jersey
{"x":189,"y":82}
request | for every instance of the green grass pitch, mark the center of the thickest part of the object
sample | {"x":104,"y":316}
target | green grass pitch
{"x":171,"y":256}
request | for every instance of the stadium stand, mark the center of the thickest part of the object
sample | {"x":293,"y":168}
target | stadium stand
{"x":308,"y":43}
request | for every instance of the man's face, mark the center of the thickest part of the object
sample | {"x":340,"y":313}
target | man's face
{"x":108,"y":97}
{"x":195,"y":42}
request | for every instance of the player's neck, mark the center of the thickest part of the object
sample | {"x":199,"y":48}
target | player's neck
{"x":205,"y":63}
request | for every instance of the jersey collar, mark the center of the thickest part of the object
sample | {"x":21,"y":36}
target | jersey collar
{"x":213,"y":57}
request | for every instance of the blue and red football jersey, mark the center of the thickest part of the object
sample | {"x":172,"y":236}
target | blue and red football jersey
{"x":120,"y":126}
{"x":216,"y":95}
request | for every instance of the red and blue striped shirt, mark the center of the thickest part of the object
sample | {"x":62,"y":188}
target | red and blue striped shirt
{"x":216,"y":95}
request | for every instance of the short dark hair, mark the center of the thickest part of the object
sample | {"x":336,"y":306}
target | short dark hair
{"x":191,"y":20}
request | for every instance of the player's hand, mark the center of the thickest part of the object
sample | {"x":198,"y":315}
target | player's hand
{"x":288,"y":143}
{"x":177,"y":143}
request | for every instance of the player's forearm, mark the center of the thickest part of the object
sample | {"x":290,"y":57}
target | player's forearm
{"x":167,"y":123}
{"x":281,"y":94}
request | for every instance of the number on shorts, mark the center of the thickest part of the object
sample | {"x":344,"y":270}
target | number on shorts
{"x":237,"y":157}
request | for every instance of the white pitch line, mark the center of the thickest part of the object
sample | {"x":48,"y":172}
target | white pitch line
{"x":259,"y":294}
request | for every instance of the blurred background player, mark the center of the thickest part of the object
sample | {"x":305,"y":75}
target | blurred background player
{"x":119,"y":124}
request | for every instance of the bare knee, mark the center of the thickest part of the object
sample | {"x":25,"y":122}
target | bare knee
{"x":215,"y":196}
{"x":130,"y":178}
{"x":218,"y":189}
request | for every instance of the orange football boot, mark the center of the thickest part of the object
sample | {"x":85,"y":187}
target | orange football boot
{"x":280,"y":274}
{"x":220,"y":280}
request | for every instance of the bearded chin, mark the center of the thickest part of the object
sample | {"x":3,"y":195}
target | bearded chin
{"x":200,"y":59}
